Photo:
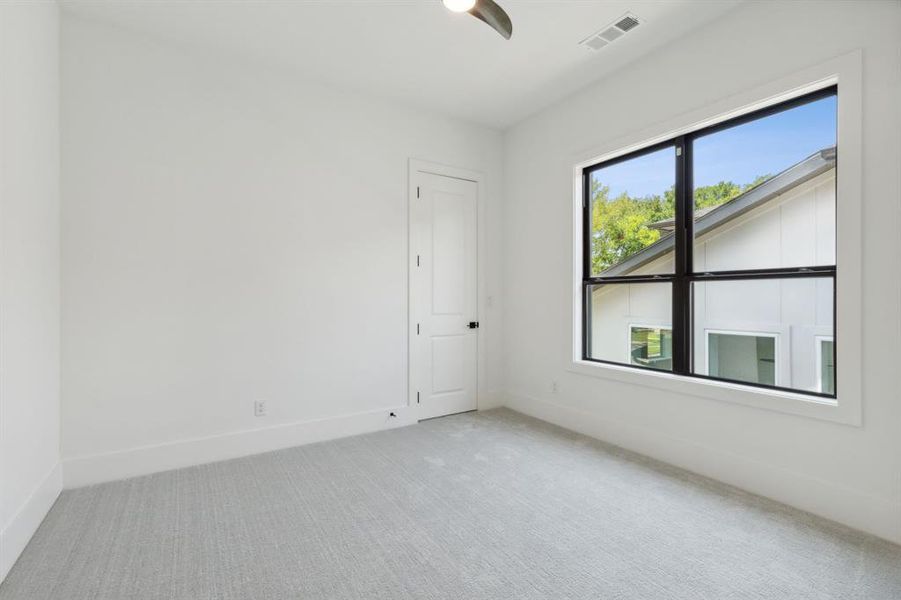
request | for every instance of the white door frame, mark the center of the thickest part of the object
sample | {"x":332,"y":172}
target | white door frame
{"x":416,"y":166}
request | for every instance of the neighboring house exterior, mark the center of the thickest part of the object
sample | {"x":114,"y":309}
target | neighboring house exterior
{"x":774,"y":332}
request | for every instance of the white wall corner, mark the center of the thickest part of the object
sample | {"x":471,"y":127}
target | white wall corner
{"x":866,"y":512}
{"x":489,"y":399}
{"x":18,"y":532}
{"x":134,"y":462}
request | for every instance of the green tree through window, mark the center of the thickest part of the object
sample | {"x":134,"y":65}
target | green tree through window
{"x":624,"y":225}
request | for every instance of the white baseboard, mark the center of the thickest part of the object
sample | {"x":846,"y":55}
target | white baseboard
{"x":875,"y":515}
{"x":87,"y":470}
{"x":17,"y":533}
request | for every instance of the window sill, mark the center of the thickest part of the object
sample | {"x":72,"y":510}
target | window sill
{"x":799,"y":404}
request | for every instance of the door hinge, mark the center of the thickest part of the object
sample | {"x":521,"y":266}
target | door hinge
{"x":417,"y":260}
{"x":417,"y":191}
{"x":417,"y":329}
{"x":417,"y":397}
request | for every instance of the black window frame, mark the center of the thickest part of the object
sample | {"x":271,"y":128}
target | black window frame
{"x":684,"y":276}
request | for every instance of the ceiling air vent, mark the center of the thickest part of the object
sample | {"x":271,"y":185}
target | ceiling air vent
{"x":628,"y":22}
{"x":612,"y":32}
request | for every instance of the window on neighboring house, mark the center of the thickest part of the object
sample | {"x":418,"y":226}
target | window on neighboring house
{"x":742,"y":356}
{"x":729,"y":229}
{"x":651,"y":347}
{"x":826,"y":364}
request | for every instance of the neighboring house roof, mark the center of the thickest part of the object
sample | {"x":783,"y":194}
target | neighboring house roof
{"x":667,"y":225}
{"x":712,"y":217}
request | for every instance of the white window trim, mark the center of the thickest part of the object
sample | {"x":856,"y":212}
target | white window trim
{"x":756,"y":334}
{"x":818,"y":341}
{"x":846,"y":72}
{"x":645,"y":325}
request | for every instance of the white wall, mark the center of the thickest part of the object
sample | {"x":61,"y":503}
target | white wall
{"x":30,"y":477}
{"x":852,"y":474}
{"x":230,"y":234}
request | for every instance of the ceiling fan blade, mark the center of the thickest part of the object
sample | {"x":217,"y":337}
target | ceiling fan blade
{"x":489,"y":12}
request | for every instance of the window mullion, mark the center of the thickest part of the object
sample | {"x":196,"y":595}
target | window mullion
{"x":683,"y":256}
{"x":586,"y":225}
{"x":586,"y":264}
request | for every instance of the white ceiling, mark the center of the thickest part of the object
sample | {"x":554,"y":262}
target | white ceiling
{"x":416,"y":51}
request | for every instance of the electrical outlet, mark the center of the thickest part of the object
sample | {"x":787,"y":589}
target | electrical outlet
{"x":259,"y":408}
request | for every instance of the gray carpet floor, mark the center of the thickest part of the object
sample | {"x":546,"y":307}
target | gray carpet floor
{"x":482,"y":505}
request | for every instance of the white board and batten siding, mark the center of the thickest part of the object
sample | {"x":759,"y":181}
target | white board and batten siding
{"x":795,"y":229}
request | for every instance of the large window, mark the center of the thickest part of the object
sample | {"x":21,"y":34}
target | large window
{"x":726,"y":235}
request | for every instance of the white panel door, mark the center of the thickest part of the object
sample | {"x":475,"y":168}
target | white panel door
{"x":444,"y":315}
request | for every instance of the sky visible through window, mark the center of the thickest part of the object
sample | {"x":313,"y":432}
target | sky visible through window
{"x":740,"y":154}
